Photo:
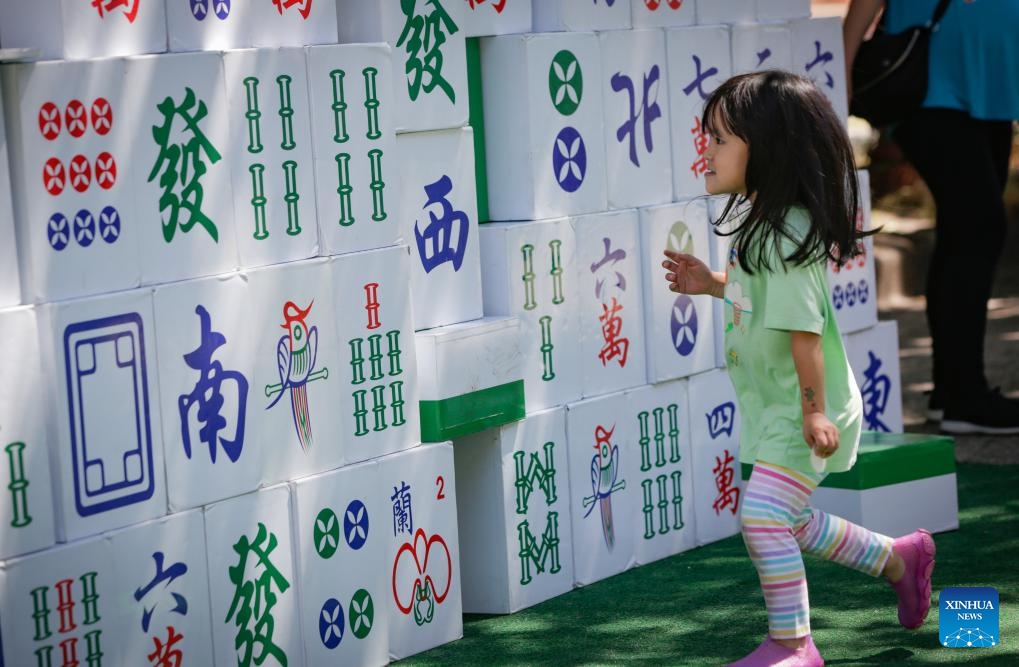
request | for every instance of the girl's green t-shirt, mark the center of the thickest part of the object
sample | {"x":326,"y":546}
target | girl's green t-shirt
{"x":761,"y":309}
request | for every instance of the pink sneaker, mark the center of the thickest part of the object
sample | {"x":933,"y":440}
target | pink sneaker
{"x":914,"y":589}
{"x":772,"y":654}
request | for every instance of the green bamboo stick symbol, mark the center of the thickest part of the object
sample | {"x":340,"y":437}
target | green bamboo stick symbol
{"x":528,"y":277}
{"x":18,"y":485}
{"x":339,"y":107}
{"x":371,"y":102}
{"x":258,"y":200}
{"x":291,"y":197}
{"x":344,"y":189}
{"x":377,"y":185}
{"x":557,"y":272}
{"x":286,"y":112}
{"x":252,"y":114}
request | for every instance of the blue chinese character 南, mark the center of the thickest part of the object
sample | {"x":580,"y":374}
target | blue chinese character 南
{"x":208,"y":395}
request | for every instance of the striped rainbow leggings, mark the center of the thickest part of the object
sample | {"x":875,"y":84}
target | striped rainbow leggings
{"x":777,"y":525}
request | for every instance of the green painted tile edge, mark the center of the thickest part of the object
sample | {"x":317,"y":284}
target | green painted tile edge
{"x":462,"y":415}
{"x":476,"y":119}
{"x":889,"y":458}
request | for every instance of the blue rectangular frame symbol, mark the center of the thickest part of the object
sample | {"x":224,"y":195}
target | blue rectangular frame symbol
{"x":107,"y":388}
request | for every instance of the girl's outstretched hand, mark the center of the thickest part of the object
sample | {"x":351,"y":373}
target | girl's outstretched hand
{"x":820,"y":434}
{"x":688,"y":275}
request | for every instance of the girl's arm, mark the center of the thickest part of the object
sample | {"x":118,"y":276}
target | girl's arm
{"x":689,"y":275}
{"x":818,"y":431}
{"x":858,"y":20}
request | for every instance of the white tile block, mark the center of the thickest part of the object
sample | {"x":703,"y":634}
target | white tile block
{"x":576,"y":15}
{"x":75,"y":30}
{"x":635,"y":94}
{"x":72,"y":137}
{"x":714,"y":434}
{"x":206,"y":358}
{"x":250,"y":551}
{"x":780,"y":10}
{"x":663,"y":13}
{"x":161,"y":589}
{"x":429,"y":56}
{"x":377,"y":382}
{"x":604,"y":498}
{"x":761,"y":46}
{"x":61,"y":602}
{"x":462,"y":358}
{"x":357,"y":175}
{"x":874,"y":357}
{"x":896,"y":509}
{"x":423,"y":557}
{"x":10,"y":280}
{"x":854,"y":285}
{"x":270,"y":154}
{"x":513,"y":507}
{"x":725,"y":11}
{"x":298,"y":370}
{"x":544,"y":134}
{"x":439,"y":206}
{"x":818,"y":54}
{"x":699,"y":61}
{"x":609,"y":281}
{"x":181,"y":171}
{"x":99,"y":358}
{"x":26,"y":501}
{"x":680,"y":328}
{"x":496,"y":17}
{"x":341,"y":541}
{"x":658,"y":462}
{"x":530,"y":272}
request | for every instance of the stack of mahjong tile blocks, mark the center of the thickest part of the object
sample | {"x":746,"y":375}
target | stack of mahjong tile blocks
{"x":249,"y":280}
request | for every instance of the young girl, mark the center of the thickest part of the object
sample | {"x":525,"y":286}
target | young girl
{"x":780,"y":153}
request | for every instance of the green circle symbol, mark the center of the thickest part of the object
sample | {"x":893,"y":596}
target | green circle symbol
{"x":361,"y":613}
{"x":327,"y":533}
{"x":565,"y":82}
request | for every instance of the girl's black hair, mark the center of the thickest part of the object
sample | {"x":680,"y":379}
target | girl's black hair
{"x":798,"y":155}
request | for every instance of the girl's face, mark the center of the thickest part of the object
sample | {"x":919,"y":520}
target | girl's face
{"x":727,"y":157}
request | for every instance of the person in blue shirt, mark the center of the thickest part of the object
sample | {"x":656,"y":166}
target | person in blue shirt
{"x":959,"y":142}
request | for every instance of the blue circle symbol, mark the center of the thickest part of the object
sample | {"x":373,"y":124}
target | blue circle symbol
{"x":355,"y":524}
{"x":837,"y":298}
{"x":863,"y":291}
{"x":109,"y":224}
{"x":84,"y":228}
{"x":851,"y":294}
{"x":569,"y":159}
{"x":57,"y":231}
{"x":684,"y":325}
{"x":223,"y":8}
{"x":330,"y":623}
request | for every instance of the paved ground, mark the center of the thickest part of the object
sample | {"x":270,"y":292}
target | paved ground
{"x":903,"y":257}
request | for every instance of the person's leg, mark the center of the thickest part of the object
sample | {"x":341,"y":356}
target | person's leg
{"x":906,"y":562}
{"x":773,"y":498}
{"x":962,"y":160}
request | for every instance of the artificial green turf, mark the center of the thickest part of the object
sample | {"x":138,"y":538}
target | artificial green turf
{"x":704,"y":607}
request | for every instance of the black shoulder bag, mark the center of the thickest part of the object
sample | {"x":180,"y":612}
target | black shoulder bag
{"x":890,"y":72}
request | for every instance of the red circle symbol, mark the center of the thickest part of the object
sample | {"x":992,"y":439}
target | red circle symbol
{"x":49,"y":121}
{"x":652,"y":4}
{"x":675,"y":4}
{"x":75,"y":118}
{"x":102,"y":116}
{"x":53,"y":176}
{"x":106,"y":170}
{"x":80,"y":173}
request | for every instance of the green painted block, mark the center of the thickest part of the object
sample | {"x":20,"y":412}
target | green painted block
{"x":476,"y":119}
{"x":473,"y":412}
{"x":892,"y":458}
